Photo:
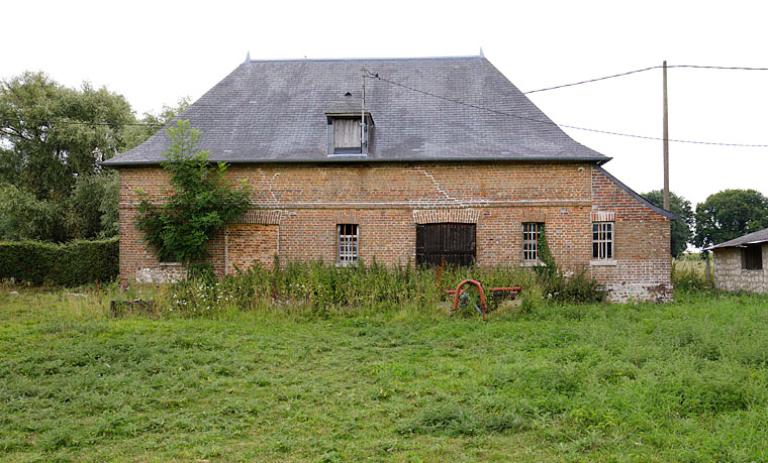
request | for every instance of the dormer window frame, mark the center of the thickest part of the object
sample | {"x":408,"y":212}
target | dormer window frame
{"x":366,"y":135}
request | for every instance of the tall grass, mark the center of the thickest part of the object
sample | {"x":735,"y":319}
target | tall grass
{"x":320,"y":288}
{"x":690,"y":275}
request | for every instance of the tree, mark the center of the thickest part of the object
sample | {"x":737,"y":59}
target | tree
{"x":50,"y":134}
{"x":150,"y":123}
{"x":202,"y":202}
{"x":24,"y":217}
{"x":108,"y":207}
{"x":52,"y":139}
{"x":90,"y":212}
{"x":682,"y":227}
{"x":729,"y":214}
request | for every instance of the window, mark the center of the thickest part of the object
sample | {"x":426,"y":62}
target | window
{"x":347,"y":246}
{"x":347,"y":135}
{"x":752,"y":257}
{"x":531,"y":233}
{"x":602,"y":240}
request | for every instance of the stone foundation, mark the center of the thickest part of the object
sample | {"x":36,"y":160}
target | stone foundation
{"x":161,"y":273}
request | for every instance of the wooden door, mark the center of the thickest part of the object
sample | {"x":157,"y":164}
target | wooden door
{"x":452,"y":243}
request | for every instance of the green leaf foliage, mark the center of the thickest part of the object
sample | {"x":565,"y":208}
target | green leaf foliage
{"x":52,"y":139}
{"x":53,"y":134}
{"x":24,"y":217}
{"x":71,"y":264}
{"x":729,"y":214}
{"x":201,"y":204}
{"x":89,"y":212}
{"x":682,"y":227}
{"x":150,"y":123}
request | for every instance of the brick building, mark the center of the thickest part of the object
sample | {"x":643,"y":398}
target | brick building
{"x":739,"y":263}
{"x":421,"y":160}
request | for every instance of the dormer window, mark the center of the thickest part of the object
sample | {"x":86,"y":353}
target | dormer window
{"x":348,"y":135}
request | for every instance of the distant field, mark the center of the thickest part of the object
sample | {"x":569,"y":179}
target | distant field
{"x":691,"y":263}
{"x":686,"y":381}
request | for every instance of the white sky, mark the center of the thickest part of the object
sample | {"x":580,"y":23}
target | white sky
{"x":154,"y":52}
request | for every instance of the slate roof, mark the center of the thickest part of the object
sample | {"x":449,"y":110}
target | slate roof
{"x":275,"y":111}
{"x":757,"y":237}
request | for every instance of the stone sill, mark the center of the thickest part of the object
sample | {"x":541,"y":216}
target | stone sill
{"x":346,"y":264}
{"x":532,"y":263}
{"x":602,"y":263}
{"x":170,"y":264}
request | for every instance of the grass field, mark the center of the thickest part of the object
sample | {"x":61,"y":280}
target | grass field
{"x":686,"y":381}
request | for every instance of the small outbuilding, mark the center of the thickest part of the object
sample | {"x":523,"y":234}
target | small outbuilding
{"x":740,"y":264}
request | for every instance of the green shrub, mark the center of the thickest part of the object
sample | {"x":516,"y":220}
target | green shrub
{"x":578,"y":287}
{"x":24,"y":217}
{"x":71,"y":264}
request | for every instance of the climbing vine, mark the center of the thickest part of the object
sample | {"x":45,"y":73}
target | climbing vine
{"x":202,"y":202}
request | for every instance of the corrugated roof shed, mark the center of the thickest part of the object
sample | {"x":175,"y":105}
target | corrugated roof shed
{"x":275,"y":111}
{"x":757,"y":237}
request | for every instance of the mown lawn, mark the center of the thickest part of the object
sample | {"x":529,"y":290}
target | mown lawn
{"x":678,"y":382}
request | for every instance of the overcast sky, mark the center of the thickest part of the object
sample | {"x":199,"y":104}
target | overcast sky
{"x":155,"y":52}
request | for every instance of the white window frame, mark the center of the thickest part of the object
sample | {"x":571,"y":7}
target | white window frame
{"x":347,"y":243}
{"x":603,"y":234}
{"x":531,"y":235}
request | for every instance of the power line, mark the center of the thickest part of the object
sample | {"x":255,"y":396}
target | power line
{"x":721,"y":68}
{"x":649,"y":68}
{"x":575,"y":127}
{"x":504,"y":113}
{"x":596,"y":79}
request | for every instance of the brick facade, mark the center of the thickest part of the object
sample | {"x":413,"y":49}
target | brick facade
{"x":730,"y":276}
{"x":296,"y":208}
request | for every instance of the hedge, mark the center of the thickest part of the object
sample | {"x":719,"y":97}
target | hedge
{"x":70,"y":264}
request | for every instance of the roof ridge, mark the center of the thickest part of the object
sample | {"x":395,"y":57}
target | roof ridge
{"x":391,"y":58}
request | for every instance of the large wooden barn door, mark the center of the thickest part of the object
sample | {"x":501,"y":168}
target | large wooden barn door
{"x":452,"y":243}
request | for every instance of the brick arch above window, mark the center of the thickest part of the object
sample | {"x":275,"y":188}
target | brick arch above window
{"x":261,"y":216}
{"x":463,"y":215}
{"x":603,"y":216}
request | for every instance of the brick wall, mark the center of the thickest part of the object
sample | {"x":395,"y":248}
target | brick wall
{"x":248,"y":244}
{"x":730,"y":276}
{"x":296,"y":209}
{"x":642,"y":264}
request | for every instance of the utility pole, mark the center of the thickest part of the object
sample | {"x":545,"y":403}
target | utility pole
{"x":666,"y":141}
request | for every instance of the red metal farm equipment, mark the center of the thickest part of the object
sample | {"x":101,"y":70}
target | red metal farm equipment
{"x":460,"y":295}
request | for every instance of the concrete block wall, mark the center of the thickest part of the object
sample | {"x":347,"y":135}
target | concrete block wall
{"x":730,"y":276}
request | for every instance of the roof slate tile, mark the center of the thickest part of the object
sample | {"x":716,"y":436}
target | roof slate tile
{"x":275,"y":111}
